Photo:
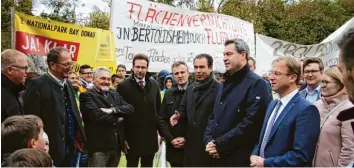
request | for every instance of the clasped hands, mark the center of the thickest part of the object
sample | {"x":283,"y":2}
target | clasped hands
{"x":178,"y":142}
{"x":211,"y":149}
{"x":256,"y":161}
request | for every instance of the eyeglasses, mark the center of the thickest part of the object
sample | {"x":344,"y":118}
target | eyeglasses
{"x":311,"y":71}
{"x":68,"y":64}
{"x":276,"y":73}
{"x":87,"y":73}
{"x":20,"y":67}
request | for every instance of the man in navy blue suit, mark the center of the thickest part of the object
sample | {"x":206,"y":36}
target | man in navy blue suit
{"x":292,"y":124}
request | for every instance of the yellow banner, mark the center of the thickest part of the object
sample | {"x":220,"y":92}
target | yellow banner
{"x":36,"y":36}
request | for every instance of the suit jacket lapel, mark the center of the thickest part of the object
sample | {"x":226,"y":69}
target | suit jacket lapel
{"x":285,"y":111}
{"x":266,"y":118}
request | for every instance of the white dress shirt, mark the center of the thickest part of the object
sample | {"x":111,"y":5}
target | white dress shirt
{"x":61,"y":83}
{"x":138,"y":80}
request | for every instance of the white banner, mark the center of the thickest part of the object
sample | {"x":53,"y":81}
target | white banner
{"x":267,"y":49}
{"x":168,"y":34}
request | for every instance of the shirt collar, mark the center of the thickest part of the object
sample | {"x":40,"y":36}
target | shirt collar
{"x":182,"y":88}
{"x":317,"y":90}
{"x":61,"y":83}
{"x":137,"y":80}
{"x":286,"y":99}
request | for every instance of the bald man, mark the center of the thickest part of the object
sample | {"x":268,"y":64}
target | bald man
{"x":13,"y":75}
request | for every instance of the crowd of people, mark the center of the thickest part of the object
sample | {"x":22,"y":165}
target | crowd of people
{"x":300,"y":114}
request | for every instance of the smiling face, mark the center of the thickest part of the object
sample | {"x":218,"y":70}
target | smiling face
{"x":63,"y":66}
{"x":102,"y":81}
{"x":329,"y":86}
{"x":312,"y":74}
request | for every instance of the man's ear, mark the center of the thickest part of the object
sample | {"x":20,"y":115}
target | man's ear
{"x":31,"y":143}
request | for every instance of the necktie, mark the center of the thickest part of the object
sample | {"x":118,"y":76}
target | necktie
{"x":141,"y":84}
{"x":269,"y":129}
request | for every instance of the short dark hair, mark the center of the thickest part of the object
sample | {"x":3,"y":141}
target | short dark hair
{"x":240,"y":46}
{"x":206,"y":56}
{"x":54,"y":54}
{"x":30,"y":158}
{"x":141,"y":57}
{"x":346,"y":44}
{"x":121,"y":66}
{"x":308,"y":61}
{"x":177,"y":64}
{"x":16,"y":131}
{"x":252,"y":59}
{"x":82,"y":67}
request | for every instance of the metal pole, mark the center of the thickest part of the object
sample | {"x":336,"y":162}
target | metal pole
{"x":13,"y":35}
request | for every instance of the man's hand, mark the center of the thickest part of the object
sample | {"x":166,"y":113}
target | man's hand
{"x":178,"y":142}
{"x":256,"y":161}
{"x":107,"y":110}
{"x":174,"y":118}
{"x":211,"y":149}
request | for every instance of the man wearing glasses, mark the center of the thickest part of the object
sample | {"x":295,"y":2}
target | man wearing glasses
{"x":313,"y":69}
{"x":86,"y":76}
{"x":51,"y":97}
{"x":13,"y":75}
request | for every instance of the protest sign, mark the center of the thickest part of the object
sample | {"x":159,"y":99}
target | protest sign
{"x":36,"y":36}
{"x":168,"y":34}
{"x":267,"y":49}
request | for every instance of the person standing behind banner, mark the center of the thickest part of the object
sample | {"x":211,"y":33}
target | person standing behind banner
{"x":51,"y":97}
{"x":335,"y":147}
{"x":143,"y":93}
{"x":174,"y":136}
{"x":14,"y":68}
{"x":101,"y":109}
{"x":196,"y":107}
{"x":85,"y":72}
{"x":313,"y":70}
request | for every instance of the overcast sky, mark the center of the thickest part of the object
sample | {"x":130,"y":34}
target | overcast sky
{"x":38,"y":7}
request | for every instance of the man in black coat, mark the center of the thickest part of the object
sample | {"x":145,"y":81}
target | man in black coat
{"x":174,"y":136}
{"x":196,"y":107}
{"x":239,"y":110}
{"x":101,"y":109}
{"x":13,"y":75}
{"x":51,"y":97}
{"x":143,"y":92}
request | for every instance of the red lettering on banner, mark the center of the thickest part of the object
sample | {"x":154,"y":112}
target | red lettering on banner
{"x":195,"y":21}
{"x":181,"y":20}
{"x":148,"y":15}
{"x":40,"y":45}
{"x":131,"y":11}
{"x":166,"y":18}
{"x":173,"y":19}
{"x":202,"y":18}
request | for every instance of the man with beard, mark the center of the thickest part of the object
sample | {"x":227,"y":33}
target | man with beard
{"x":85,"y":72}
{"x":143,"y":92}
{"x":346,"y":66}
{"x":313,"y":70}
{"x":51,"y":98}
{"x":100,"y":109}
{"x":238,"y":111}
{"x":13,"y":76}
{"x":174,"y":136}
{"x":196,"y":107}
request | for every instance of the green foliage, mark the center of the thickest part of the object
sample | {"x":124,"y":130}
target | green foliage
{"x":61,"y":10}
{"x":24,"y":6}
{"x":98,"y":19}
{"x":302,"y":21}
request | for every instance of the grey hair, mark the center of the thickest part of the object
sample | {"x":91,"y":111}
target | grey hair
{"x":100,"y":69}
{"x":241,"y":46}
{"x":9,"y":57}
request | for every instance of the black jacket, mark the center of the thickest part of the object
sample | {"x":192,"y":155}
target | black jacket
{"x":196,"y":106}
{"x":44,"y":97}
{"x":141,"y":127}
{"x":237,"y":118}
{"x":170,"y":103}
{"x":101,"y":128}
{"x":10,"y":104}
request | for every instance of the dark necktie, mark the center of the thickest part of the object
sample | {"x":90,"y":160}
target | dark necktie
{"x":141,"y":84}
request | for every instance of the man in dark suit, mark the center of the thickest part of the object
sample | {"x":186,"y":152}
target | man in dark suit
{"x":101,"y":109}
{"x":174,"y":136}
{"x":292,"y":124}
{"x":196,"y":107}
{"x":51,"y":97}
{"x":346,"y":66}
{"x":13,"y":75}
{"x":143,"y":93}
{"x":239,"y":110}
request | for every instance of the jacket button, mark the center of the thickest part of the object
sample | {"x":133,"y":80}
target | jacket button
{"x":116,"y":134}
{"x":216,"y":124}
{"x":194,"y":123}
{"x":221,"y":102}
